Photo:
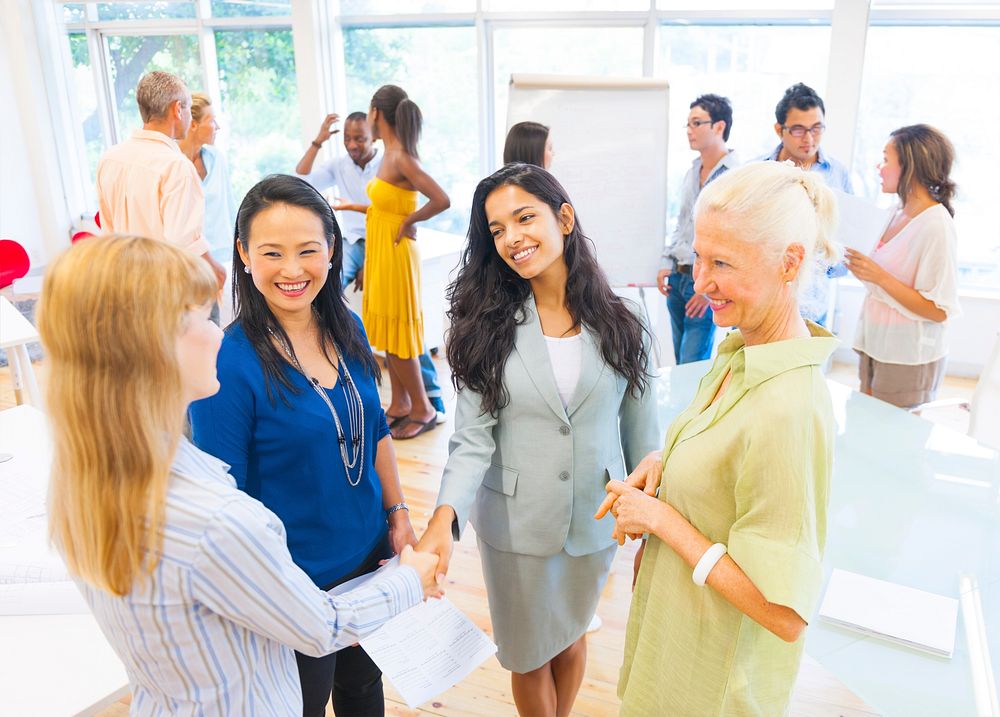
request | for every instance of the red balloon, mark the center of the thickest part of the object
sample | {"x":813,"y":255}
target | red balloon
{"x":97,"y":219}
{"x":80,"y":235}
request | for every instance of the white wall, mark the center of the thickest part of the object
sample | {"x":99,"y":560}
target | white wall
{"x":33,"y":207}
{"x":19,"y":217}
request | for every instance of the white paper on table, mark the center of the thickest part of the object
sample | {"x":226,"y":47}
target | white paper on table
{"x":902,"y":614}
{"x":57,"y":598}
{"x":860,"y":223}
{"x":428,"y":649}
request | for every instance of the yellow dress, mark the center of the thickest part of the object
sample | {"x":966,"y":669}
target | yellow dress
{"x":391,"y":308}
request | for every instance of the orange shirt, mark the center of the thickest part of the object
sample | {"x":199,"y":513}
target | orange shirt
{"x":147,"y":187}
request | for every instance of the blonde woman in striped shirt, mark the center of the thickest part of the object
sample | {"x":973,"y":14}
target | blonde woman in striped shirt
{"x":189,"y":578}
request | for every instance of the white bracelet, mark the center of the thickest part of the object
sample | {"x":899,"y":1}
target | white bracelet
{"x":707,"y":562}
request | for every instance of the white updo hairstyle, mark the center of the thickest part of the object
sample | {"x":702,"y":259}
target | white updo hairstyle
{"x":774,"y":205}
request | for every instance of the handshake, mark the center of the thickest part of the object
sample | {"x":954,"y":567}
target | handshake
{"x":426,"y":566}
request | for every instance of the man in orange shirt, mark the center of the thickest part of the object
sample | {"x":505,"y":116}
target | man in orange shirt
{"x":145,"y":185}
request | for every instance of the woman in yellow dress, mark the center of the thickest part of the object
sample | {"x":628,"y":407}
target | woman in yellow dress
{"x":391,"y":310}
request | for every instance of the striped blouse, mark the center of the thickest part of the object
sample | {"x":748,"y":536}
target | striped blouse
{"x":212,"y":629}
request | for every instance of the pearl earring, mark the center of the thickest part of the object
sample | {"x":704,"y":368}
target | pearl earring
{"x":330,"y":265}
{"x":246,"y":269}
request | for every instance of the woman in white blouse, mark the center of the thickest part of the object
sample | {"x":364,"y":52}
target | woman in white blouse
{"x":911,"y":277}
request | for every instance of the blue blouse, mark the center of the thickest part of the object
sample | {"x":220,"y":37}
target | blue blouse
{"x":288,"y":457}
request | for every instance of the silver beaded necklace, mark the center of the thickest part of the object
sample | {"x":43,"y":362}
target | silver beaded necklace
{"x":355,"y":409}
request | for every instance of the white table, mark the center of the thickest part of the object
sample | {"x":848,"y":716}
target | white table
{"x":50,"y":665}
{"x":912,"y":503}
{"x":16,"y":332}
{"x":439,"y":256}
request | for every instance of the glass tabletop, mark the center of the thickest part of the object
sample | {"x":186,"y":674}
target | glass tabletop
{"x":916,"y":504}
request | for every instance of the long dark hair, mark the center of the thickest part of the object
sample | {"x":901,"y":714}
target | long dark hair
{"x":402,"y":114}
{"x":336,"y":324}
{"x":487,"y":296}
{"x":526,"y":143}
{"x":925,"y":157}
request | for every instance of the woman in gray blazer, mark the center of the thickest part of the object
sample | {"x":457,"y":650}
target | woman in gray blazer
{"x":554,"y":399}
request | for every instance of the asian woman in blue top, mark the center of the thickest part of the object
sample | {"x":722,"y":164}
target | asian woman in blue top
{"x":298,"y":416}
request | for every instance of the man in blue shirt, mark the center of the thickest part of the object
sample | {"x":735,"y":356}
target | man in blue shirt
{"x":800,"y":125}
{"x":709,"y":123}
{"x":350,"y":175}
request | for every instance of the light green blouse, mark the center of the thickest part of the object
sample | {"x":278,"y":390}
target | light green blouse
{"x":753,"y":472}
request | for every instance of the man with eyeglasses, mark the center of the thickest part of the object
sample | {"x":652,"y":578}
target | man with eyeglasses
{"x":800,"y":125}
{"x":709,"y":123}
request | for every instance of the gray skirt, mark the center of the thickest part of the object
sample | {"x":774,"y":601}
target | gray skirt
{"x":902,"y":385}
{"x":539,"y":606}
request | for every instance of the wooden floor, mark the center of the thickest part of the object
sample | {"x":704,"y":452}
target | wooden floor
{"x":486,"y":693}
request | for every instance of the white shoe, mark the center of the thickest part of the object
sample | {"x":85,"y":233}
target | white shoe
{"x":595,"y":624}
{"x":440,"y":418}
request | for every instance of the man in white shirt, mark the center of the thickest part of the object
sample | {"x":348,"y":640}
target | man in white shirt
{"x":709,"y":123}
{"x":145,"y":185}
{"x":350,"y":175}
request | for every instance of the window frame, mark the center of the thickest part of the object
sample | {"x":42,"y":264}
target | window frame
{"x":317,"y":27}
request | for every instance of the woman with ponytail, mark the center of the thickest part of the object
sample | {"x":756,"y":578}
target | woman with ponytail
{"x":391,"y":306}
{"x":912,"y":276}
{"x":745,"y":468}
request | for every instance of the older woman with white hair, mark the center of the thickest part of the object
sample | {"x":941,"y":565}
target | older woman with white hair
{"x":731,"y":570}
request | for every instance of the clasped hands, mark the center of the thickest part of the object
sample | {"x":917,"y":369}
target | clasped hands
{"x":633,"y":502}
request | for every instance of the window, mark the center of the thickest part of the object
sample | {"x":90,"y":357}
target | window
{"x":81,"y":85}
{"x":260,"y":119}
{"x":437,"y":68}
{"x":613,"y":51}
{"x":145,"y":10}
{"x":131,"y":56}
{"x":408,"y":7}
{"x":251,"y":8}
{"x":250,"y":72}
{"x":752,"y":65}
{"x":904,"y":83}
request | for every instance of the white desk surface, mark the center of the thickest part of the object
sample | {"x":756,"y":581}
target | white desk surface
{"x":916,"y":504}
{"x":14,"y":328}
{"x":50,"y":665}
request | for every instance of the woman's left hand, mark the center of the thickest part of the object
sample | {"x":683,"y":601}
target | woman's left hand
{"x":646,"y":477}
{"x":407,"y":230}
{"x":863,"y":267}
{"x":635,"y":512}
{"x":400,"y":531}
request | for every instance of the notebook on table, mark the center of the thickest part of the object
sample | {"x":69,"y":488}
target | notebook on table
{"x":915,"y":618}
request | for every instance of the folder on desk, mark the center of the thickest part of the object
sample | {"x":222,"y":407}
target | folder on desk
{"x":915,"y":618}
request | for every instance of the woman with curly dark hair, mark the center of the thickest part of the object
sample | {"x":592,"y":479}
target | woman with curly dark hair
{"x":551,"y":368}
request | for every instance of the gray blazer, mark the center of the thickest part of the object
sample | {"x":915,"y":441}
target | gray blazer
{"x":531,"y":479}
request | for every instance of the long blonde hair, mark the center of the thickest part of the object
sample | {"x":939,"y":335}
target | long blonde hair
{"x":111,"y":310}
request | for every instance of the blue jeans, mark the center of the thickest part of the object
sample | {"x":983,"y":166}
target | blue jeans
{"x":692,"y":337}
{"x":354,"y":259}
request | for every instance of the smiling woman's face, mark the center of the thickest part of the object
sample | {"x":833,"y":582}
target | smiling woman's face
{"x":527,"y":235}
{"x":747,"y":287}
{"x":288,"y":257}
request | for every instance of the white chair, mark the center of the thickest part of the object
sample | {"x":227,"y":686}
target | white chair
{"x":984,"y":406}
{"x":16,"y":332}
